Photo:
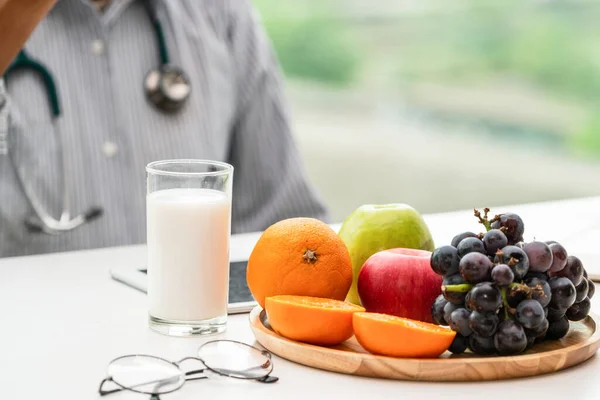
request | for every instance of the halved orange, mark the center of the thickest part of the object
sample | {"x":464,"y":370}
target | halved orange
{"x":315,"y":320}
{"x":393,"y":336}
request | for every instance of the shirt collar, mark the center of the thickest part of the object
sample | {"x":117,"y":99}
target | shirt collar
{"x":112,"y":11}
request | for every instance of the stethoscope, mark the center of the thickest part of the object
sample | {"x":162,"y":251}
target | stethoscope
{"x":167,"y":87}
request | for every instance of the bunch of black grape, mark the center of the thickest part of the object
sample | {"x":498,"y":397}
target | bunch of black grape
{"x":501,"y":294}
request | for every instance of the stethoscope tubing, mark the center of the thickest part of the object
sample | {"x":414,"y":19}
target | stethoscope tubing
{"x":158,"y":93}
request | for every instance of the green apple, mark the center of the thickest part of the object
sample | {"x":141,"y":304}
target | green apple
{"x":373,"y":228}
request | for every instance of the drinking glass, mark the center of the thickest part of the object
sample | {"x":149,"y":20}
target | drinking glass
{"x":188,"y":231}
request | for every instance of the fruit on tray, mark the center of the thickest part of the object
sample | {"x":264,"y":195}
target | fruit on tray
{"x":313,"y":320}
{"x":393,"y":336}
{"x":373,"y":228}
{"x":299,"y":256}
{"x":502,"y":294}
{"x":399,"y":282}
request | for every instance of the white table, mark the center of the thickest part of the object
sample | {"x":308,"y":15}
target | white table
{"x":64,"y":319}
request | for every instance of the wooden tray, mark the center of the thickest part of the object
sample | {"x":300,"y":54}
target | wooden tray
{"x":579,"y":345}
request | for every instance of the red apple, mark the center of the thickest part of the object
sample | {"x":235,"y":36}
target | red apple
{"x":399,"y":282}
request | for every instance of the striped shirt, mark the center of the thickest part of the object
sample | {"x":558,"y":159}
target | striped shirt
{"x":236,"y":113}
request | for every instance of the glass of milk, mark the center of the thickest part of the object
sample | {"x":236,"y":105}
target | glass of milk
{"x":188,"y":229}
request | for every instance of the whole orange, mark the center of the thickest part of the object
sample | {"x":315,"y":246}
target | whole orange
{"x":299,"y":256}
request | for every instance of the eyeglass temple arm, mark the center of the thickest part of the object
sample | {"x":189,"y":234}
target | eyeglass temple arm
{"x":106,"y":392}
{"x":159,"y":382}
{"x":227,"y":371}
{"x":103,"y":392}
{"x":195,"y":371}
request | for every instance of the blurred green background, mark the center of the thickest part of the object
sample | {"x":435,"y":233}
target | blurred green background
{"x":512,"y":86}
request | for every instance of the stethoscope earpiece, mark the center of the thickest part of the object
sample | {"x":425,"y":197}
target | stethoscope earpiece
{"x":167,"y":87}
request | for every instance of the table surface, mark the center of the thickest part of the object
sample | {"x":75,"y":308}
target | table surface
{"x":64,"y":319}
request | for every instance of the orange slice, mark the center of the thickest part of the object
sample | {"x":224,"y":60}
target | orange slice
{"x":400,"y":337}
{"x":315,"y":320}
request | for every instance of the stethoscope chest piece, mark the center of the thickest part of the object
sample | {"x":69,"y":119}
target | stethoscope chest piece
{"x":167,"y":87}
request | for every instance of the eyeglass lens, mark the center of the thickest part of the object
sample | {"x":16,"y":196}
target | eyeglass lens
{"x":145,"y":374}
{"x":235,"y":359}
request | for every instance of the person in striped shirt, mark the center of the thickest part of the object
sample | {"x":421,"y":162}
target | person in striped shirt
{"x":99,"y":53}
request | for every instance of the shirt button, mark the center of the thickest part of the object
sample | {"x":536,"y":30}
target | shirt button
{"x":98,"y":47}
{"x":110,"y":149}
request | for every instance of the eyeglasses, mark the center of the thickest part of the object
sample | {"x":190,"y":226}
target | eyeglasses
{"x":154,"y":376}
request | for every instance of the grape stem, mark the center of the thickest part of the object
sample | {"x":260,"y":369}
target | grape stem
{"x":462,"y":288}
{"x":513,"y":287}
{"x":516,"y":287}
{"x":512,"y":262}
{"x":528,"y":290}
{"x":487,"y":222}
{"x":483,"y":220}
{"x":505,"y":303}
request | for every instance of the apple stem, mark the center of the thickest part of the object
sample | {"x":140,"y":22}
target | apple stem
{"x":462,"y":288}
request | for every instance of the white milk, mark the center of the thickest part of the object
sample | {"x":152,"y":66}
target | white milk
{"x":188,"y":253}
